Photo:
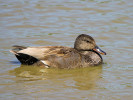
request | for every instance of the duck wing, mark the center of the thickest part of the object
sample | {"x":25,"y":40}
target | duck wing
{"x":57,"y":56}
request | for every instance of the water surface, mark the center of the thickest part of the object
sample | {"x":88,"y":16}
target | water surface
{"x":59,"y":22}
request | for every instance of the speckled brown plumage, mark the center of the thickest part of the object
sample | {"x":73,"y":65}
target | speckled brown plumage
{"x":84,"y":54}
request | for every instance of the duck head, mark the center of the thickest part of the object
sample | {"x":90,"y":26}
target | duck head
{"x":86,"y":43}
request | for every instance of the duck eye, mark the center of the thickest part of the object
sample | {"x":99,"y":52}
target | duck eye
{"x":88,"y":41}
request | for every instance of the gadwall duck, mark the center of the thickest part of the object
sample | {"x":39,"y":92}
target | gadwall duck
{"x":84,"y":54}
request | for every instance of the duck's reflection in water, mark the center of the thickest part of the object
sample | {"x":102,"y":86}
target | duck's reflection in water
{"x":79,"y":78}
{"x":87,"y":78}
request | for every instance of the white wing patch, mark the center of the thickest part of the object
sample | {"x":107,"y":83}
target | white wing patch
{"x":45,"y":63}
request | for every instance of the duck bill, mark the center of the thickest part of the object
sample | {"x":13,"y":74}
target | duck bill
{"x":98,"y":50}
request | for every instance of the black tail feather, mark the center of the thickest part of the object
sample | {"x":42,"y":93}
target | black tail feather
{"x":26,"y":59}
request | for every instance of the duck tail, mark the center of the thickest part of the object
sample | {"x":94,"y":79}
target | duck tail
{"x":26,"y":59}
{"x":17,"y":48}
{"x":23,"y":58}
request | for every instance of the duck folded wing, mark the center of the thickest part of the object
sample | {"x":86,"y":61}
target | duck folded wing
{"x":42,"y":52}
{"x":63,"y":58}
{"x":55,"y":56}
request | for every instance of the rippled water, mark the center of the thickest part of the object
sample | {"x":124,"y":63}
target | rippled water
{"x":59,"y":22}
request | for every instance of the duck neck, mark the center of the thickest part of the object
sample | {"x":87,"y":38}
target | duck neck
{"x":91,"y":56}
